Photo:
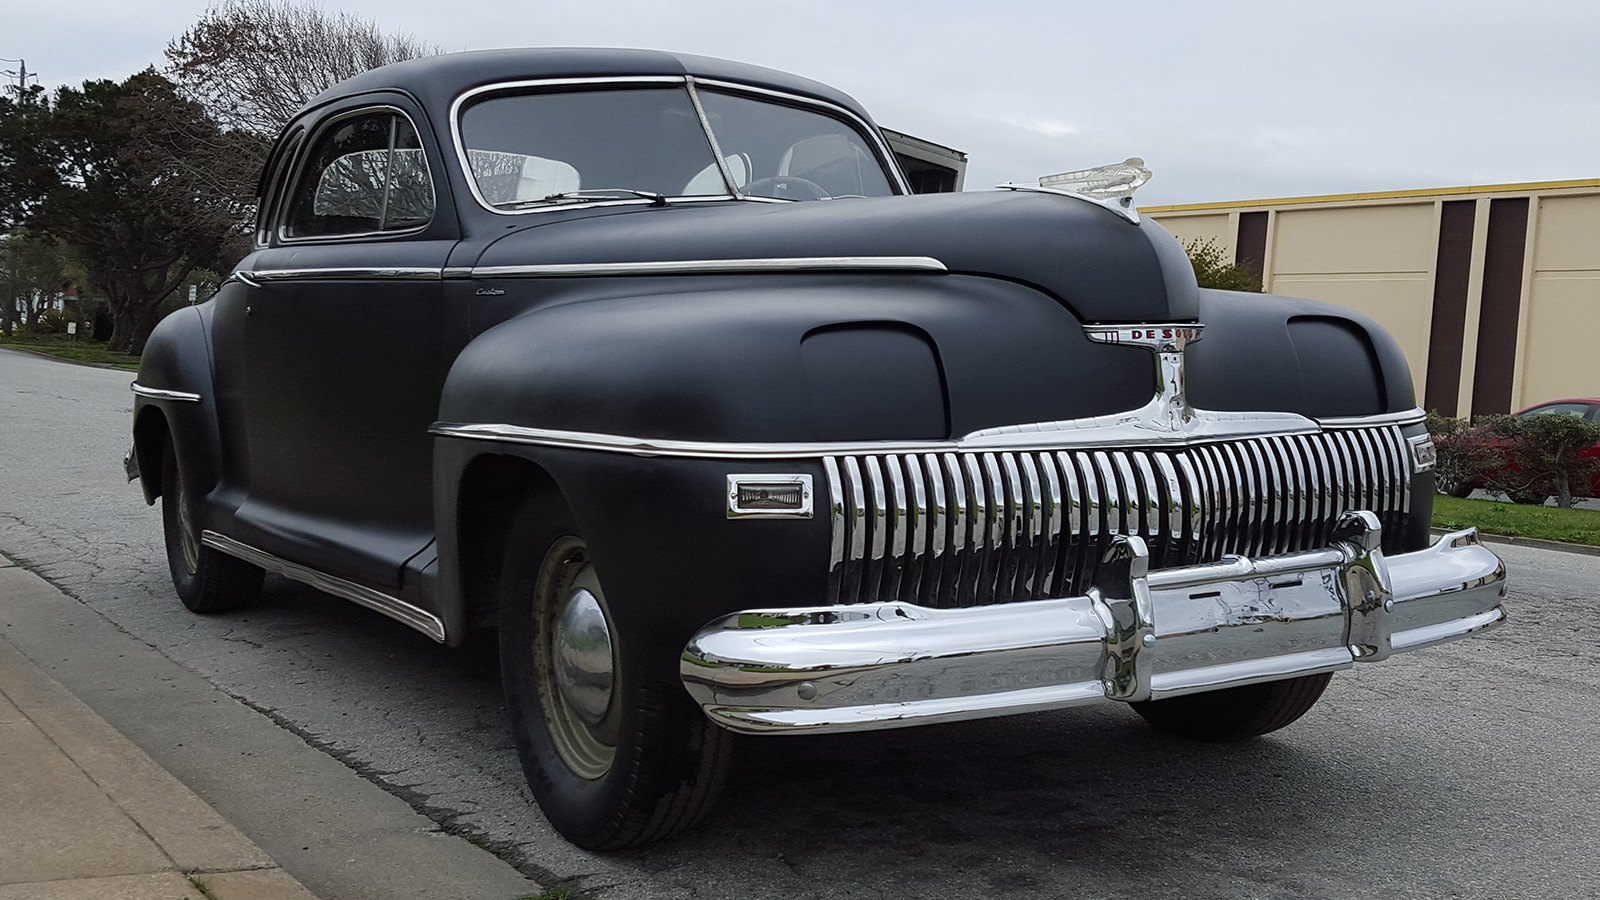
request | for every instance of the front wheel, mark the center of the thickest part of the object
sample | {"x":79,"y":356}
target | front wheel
{"x":207,"y":580}
{"x":1234,"y":714}
{"x":616,"y":754}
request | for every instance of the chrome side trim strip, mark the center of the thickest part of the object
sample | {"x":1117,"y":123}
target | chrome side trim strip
{"x":393,"y":607}
{"x":159,"y":394}
{"x":401,"y":273}
{"x":716,"y":267}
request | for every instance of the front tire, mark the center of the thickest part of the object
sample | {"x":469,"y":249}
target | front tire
{"x":207,"y":580}
{"x":616,"y":753}
{"x":1235,"y":714}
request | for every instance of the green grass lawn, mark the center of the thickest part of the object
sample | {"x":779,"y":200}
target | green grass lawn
{"x":1574,"y":526}
{"x":79,"y":350}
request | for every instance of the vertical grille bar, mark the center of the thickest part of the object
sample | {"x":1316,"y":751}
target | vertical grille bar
{"x":938,"y":526}
{"x":899,"y":528}
{"x":960,"y":534}
{"x":1054,"y":519}
{"x":1083,"y":511}
{"x":1217,"y":503}
{"x":1154,"y":509}
{"x":1008,"y":583}
{"x":1173,"y":502}
{"x":1236,"y":538}
{"x":972,"y":567}
{"x":1195,"y":491}
{"x":911,"y":589}
{"x":1033,"y":534}
{"x":857,"y":517}
{"x":836,"y":518}
{"x":872,"y":579}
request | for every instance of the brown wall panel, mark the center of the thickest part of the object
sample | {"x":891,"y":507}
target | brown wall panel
{"x":1502,"y":305}
{"x":1449,"y":323}
{"x":1250,"y":250}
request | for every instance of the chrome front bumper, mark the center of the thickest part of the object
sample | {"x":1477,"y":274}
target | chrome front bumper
{"x":1135,"y":635}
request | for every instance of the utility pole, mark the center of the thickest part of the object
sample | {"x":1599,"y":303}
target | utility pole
{"x":21,"y":74}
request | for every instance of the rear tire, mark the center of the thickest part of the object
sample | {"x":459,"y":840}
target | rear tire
{"x":207,"y":580}
{"x":616,"y":758}
{"x":1235,"y":714}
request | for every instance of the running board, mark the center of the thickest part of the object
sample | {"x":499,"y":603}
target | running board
{"x":393,"y":607}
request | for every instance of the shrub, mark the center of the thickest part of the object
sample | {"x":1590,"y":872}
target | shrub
{"x":1467,"y":453}
{"x":1213,"y":269}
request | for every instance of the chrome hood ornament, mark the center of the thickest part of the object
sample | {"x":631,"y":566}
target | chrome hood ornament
{"x":1110,"y":186}
{"x":1166,"y":419}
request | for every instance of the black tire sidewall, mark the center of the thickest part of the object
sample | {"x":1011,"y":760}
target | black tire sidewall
{"x":606,"y":812}
{"x":186,"y":583}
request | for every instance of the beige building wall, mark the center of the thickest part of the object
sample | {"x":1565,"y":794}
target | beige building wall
{"x":1562,"y":316}
{"x":1379,"y":253}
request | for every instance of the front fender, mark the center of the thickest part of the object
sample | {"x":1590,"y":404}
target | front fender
{"x":177,"y":362}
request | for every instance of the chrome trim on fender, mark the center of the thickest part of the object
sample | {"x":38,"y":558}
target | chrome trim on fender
{"x":401,"y":273}
{"x":1134,"y":634}
{"x":716,"y":267}
{"x":393,"y":607}
{"x":159,"y":394}
{"x":1403,"y":418}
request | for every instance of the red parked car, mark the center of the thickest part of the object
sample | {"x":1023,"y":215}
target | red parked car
{"x":1587,"y":408}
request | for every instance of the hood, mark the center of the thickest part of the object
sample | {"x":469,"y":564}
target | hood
{"x":1100,"y":266}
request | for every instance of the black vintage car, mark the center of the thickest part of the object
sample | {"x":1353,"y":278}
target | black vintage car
{"x":652,"y":363}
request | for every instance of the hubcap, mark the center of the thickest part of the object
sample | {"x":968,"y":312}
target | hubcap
{"x":583,"y":657}
{"x":575,"y":659}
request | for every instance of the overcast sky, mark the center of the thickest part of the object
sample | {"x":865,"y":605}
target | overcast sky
{"x":1225,"y":100}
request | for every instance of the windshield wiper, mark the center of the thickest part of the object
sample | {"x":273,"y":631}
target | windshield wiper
{"x":588,"y":194}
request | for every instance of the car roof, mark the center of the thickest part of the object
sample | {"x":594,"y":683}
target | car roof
{"x":436,"y":80}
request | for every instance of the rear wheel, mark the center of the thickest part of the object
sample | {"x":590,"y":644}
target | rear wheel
{"x":616,"y":753}
{"x":207,"y":580}
{"x":1234,"y":714}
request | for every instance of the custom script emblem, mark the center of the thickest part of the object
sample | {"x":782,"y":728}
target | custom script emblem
{"x":1169,"y":409}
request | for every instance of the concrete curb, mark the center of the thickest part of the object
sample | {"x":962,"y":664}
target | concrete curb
{"x":61,"y":359}
{"x":90,"y":814}
{"x":1536,"y":543}
{"x":299,"y":810}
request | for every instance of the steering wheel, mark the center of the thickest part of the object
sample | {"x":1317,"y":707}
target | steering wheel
{"x":785,"y":187}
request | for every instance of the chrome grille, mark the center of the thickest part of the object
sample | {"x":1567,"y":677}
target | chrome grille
{"x":975,"y":528}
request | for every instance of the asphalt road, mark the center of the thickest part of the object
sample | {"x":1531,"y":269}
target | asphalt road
{"x":1468,"y":770}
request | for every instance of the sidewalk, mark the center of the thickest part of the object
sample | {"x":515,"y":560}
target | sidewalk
{"x":86,"y":814}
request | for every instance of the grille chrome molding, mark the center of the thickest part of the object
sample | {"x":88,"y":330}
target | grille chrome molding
{"x":975,"y":528}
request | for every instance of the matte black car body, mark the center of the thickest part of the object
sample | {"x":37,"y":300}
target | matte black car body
{"x":626,"y":357}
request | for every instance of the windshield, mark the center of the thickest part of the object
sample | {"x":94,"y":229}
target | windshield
{"x":550,"y":148}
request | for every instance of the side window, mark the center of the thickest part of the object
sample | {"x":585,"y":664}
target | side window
{"x":365,"y":175}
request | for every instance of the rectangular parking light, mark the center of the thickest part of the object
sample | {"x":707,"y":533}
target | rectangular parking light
{"x":769,"y":496}
{"x":1423,"y":453}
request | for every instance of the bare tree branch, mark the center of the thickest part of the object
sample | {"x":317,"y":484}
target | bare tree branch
{"x":253,"y":64}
